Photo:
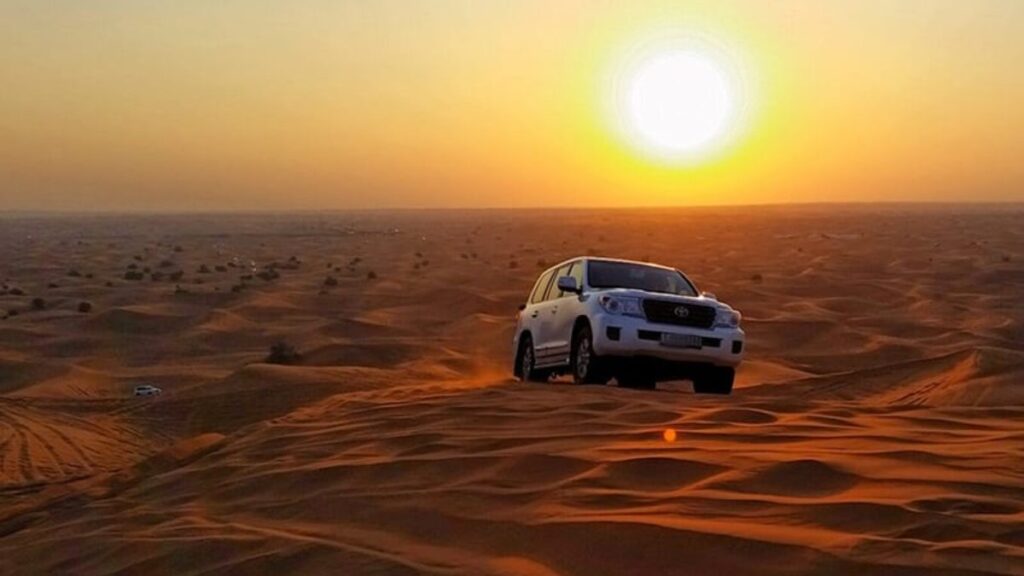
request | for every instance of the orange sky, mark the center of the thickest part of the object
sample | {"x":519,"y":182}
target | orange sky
{"x":244,"y":104}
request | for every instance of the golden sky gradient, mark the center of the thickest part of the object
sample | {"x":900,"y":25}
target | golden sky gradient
{"x":251,"y":104}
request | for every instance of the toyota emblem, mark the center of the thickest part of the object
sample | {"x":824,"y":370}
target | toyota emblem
{"x":681,"y":311}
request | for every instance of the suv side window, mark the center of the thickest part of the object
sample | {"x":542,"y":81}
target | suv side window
{"x":576,"y":271}
{"x":541,"y":288}
{"x":554,"y":292}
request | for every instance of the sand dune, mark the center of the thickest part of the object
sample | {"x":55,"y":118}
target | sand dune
{"x":875,"y":428}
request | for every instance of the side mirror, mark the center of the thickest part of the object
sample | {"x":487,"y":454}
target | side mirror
{"x":522,"y":307}
{"x":709,"y":295}
{"x":568,"y":284}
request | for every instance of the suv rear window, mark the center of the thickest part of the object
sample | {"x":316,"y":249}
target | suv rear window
{"x":608,"y":274}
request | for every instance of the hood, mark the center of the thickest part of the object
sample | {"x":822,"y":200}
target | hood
{"x":633,"y":293}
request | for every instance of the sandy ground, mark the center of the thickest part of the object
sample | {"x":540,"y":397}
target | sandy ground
{"x":878,"y":426}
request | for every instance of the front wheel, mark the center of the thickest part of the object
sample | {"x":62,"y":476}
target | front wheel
{"x":587,"y":366}
{"x":714,"y":380}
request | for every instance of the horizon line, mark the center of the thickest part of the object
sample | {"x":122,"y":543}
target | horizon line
{"x":424,"y":208}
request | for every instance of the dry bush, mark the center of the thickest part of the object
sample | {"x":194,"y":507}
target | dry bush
{"x":283,"y":353}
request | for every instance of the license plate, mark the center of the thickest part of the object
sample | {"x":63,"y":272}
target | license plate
{"x":681,"y":340}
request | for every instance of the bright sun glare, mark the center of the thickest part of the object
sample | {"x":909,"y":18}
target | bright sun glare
{"x":678,"y":103}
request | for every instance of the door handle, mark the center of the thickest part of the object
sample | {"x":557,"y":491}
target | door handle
{"x":534,"y":315}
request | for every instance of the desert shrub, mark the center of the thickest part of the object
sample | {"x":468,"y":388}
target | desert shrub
{"x":109,"y":284}
{"x":12,"y":312}
{"x":176,"y":275}
{"x":513,"y":264}
{"x":758,"y":278}
{"x":156,"y":276}
{"x":541,"y":263}
{"x":38,"y":304}
{"x":1006,"y":258}
{"x":464,"y":256}
{"x":268,"y":275}
{"x":133,"y":266}
{"x":166,"y":263}
{"x":74,"y":273}
{"x":178,"y":249}
{"x":237,"y":288}
{"x":220,"y":268}
{"x":85,"y":307}
{"x":204,"y":269}
{"x":330,"y":281}
{"x":283,"y":353}
{"x":133,"y":275}
{"x":53,"y":285}
{"x":90,"y":275}
{"x":17,"y":292}
{"x":371,"y":275}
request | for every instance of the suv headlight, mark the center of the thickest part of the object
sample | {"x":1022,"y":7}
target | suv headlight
{"x":727,"y":318}
{"x":621,"y":305}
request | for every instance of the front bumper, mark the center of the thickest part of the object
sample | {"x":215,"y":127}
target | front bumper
{"x":637,"y":337}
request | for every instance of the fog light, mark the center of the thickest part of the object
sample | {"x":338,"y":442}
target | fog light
{"x":613,"y":333}
{"x":737,"y":346}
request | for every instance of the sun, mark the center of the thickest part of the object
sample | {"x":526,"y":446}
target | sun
{"x":679,"y":103}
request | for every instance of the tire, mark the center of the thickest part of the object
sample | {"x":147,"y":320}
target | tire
{"x":587,"y":367}
{"x":714,"y":380}
{"x":527,"y":359}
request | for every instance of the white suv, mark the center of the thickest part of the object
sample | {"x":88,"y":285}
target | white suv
{"x":640,"y":323}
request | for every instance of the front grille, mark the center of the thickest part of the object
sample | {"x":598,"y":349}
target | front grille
{"x":664,"y":312}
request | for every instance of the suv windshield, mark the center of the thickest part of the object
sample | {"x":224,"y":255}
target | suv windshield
{"x":606,"y":274}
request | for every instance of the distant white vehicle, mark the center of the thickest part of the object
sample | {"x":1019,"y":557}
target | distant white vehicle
{"x":640,"y":323}
{"x":147,"y":390}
